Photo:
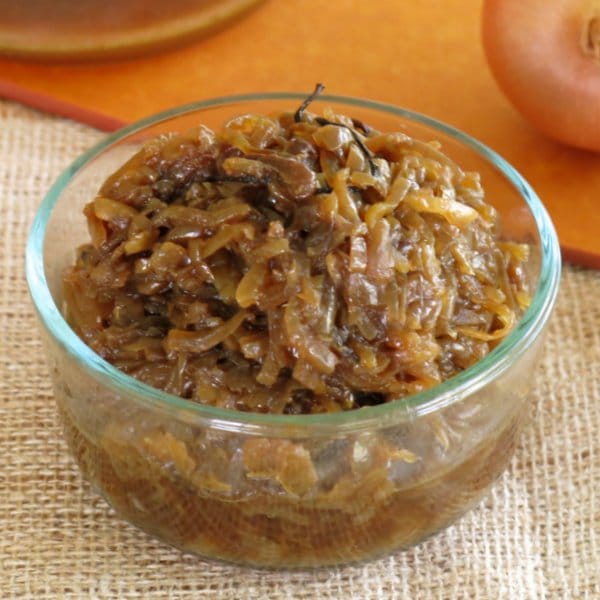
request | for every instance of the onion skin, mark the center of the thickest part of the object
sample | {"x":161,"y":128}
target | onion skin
{"x":545,"y":57}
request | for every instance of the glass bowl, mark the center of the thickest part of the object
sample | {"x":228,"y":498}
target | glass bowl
{"x":286,"y":490}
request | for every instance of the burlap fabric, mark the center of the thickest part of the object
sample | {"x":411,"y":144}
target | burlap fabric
{"x":536,"y":536}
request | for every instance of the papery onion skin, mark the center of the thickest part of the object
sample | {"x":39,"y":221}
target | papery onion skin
{"x":545,"y":57}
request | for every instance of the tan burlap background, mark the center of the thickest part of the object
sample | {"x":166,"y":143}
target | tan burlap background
{"x":536,"y":536}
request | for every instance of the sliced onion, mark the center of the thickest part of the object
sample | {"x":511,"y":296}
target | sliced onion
{"x":201,"y":341}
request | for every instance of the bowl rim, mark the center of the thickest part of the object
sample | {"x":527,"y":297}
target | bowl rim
{"x":444,"y":394}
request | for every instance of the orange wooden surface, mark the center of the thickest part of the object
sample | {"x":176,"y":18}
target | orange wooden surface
{"x":425,"y":56}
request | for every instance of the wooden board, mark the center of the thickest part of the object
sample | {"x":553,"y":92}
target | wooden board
{"x":425,"y":56}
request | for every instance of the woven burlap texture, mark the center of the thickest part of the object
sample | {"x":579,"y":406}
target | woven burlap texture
{"x":535,"y":536}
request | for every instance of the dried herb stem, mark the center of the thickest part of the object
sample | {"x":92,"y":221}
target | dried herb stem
{"x":299,"y":114}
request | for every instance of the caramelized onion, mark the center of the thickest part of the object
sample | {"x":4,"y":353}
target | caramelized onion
{"x":294,"y":264}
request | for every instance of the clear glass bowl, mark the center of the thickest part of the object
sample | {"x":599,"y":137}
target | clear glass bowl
{"x":282,"y":490}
